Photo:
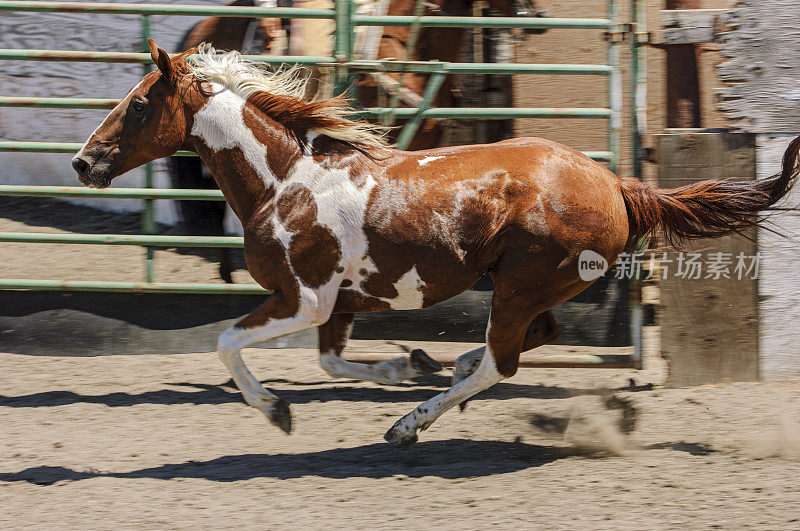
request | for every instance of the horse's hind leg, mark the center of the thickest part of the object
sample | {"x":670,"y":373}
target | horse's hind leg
{"x":333,"y":336}
{"x":543,"y":330}
{"x":505,"y":334}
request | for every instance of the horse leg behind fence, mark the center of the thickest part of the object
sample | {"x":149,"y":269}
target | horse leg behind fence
{"x":201,"y":218}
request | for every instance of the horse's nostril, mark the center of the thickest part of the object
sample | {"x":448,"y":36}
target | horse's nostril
{"x":80,"y":166}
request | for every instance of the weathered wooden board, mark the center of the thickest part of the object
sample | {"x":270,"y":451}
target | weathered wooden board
{"x":709,"y":326}
{"x":779,"y":283}
{"x":762,"y":66}
{"x":691,"y":26}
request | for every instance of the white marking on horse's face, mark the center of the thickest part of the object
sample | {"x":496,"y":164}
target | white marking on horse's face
{"x":220,"y":124}
{"x":123,"y":104}
{"x":423,"y":162}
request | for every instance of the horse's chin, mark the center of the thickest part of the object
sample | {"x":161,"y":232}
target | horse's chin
{"x":95,"y":182}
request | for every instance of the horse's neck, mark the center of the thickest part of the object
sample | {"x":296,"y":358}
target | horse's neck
{"x":242,"y":148}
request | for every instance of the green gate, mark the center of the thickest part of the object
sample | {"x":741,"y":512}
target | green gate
{"x":618,"y":34}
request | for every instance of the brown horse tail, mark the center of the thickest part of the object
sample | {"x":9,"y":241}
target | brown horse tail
{"x":707,"y":209}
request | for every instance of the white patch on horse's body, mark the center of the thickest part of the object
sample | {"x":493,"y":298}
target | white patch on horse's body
{"x":423,"y":162}
{"x":341,"y":205}
{"x":409,"y":294}
{"x":220,"y":124}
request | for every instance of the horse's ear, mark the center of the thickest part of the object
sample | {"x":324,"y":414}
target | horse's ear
{"x":162,"y":60}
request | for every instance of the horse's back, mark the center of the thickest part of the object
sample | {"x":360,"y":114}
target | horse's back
{"x":534,"y":191}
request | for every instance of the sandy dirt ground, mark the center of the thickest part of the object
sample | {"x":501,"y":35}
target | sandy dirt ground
{"x":163,"y":441}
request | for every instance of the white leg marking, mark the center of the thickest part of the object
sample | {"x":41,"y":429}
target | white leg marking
{"x":466,"y":364}
{"x":232,"y":340}
{"x":385,"y":372}
{"x":252,"y":391}
{"x":404,"y":430}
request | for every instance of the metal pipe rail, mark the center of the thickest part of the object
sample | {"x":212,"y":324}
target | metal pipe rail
{"x":135,"y":287}
{"x":291,"y":12}
{"x":107,"y":8}
{"x":183,"y":194}
{"x":142,"y":240}
{"x":371,"y":112}
{"x":76,"y":56}
{"x":12,"y":54}
{"x":56,"y":147}
{"x":445,"y":21}
{"x":73,"y":147}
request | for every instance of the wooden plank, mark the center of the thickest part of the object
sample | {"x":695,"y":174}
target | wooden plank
{"x":709,"y":327}
{"x":760,"y":44}
{"x":691,"y":26}
{"x":590,"y":358}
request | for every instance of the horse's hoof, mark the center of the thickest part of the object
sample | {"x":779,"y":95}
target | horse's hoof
{"x":422,"y":363}
{"x":280,"y":415}
{"x":397,"y":438}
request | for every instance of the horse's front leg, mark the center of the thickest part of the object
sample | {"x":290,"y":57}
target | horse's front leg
{"x":266,"y":322}
{"x":333,"y":337}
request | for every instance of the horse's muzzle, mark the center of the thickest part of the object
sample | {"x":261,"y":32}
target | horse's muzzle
{"x":81,"y":167}
{"x":91,"y":172}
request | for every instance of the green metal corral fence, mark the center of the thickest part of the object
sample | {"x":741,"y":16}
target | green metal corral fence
{"x":345,"y":66}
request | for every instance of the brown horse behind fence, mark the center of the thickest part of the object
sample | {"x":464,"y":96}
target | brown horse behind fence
{"x":336,"y":222}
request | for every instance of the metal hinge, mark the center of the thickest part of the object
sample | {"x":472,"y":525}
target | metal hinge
{"x":619,"y":33}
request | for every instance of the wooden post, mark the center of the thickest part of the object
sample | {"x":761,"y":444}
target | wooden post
{"x":709,"y":327}
{"x":683,"y":81}
{"x":762,"y":96}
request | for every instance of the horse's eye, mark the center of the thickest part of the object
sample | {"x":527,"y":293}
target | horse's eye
{"x":137,"y":105}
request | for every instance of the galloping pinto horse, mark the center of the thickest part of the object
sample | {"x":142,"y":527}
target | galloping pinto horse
{"x":337,"y":223}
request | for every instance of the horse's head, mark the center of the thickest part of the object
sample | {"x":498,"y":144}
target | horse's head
{"x":149,"y":123}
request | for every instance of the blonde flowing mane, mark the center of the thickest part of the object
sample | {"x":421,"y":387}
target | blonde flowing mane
{"x":281,"y":95}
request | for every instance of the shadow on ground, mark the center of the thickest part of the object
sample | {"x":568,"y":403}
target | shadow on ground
{"x":294,"y":392}
{"x":455,"y":458}
{"x":450,"y":459}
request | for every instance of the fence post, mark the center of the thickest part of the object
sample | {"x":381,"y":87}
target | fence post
{"x":614,"y":90}
{"x":148,"y":214}
{"x":343,"y":43}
